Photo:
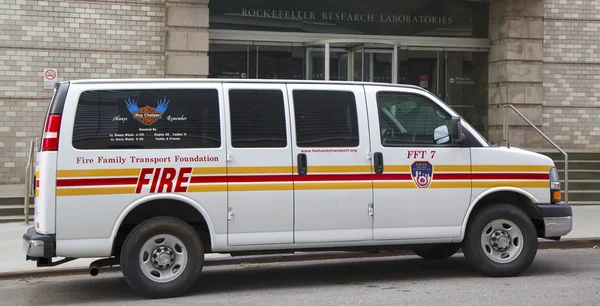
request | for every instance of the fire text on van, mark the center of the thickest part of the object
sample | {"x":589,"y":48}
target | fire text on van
{"x":164,"y":179}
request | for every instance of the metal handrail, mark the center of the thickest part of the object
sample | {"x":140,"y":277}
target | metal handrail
{"x":507,"y":140}
{"x":29,"y":178}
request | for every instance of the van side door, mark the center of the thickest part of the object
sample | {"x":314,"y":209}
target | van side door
{"x":422,"y":177}
{"x":259,"y":167}
{"x":332,"y":170}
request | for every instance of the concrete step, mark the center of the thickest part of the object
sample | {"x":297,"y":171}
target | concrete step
{"x":14,"y":210}
{"x":11,"y":219}
{"x":579,"y":165}
{"x":583,"y":195}
{"x":583,"y":203}
{"x":13,"y":200}
{"x":574,"y":155}
{"x":580,"y":174}
{"x":583,"y":184}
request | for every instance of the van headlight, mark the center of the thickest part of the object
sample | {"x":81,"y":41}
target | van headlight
{"x":555,"y":194}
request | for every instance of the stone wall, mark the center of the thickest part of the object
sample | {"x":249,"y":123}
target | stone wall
{"x":572,"y":73}
{"x":82,"y":40}
{"x":187,"y":38}
{"x":515,"y":69}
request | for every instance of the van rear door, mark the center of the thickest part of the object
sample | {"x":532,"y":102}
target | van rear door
{"x":46,"y":160}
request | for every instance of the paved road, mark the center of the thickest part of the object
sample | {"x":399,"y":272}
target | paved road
{"x":557,"y":277}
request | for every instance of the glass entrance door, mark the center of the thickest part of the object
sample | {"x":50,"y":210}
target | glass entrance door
{"x":351,"y":61}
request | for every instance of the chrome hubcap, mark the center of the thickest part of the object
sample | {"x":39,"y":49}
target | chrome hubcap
{"x":502,"y":241}
{"x":163,"y":258}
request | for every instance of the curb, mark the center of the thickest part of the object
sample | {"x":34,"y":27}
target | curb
{"x":574,"y":243}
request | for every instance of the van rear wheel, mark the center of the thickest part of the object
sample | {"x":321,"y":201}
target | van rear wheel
{"x":501,"y":240}
{"x":436,"y":252}
{"x":162,"y":257}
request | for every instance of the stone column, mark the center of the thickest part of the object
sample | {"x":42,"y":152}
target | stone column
{"x":186,"y":53}
{"x":515,"y":69}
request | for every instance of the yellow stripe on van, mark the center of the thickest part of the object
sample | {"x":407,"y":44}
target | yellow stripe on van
{"x":332,"y":186}
{"x":261,"y":187}
{"x":260,"y":170}
{"x":436,"y":168}
{"x":37,"y":174}
{"x":98,"y":172}
{"x":209,"y":170}
{"x":207,"y":188}
{"x":451,"y":168}
{"x":516,"y":184}
{"x":339,"y":169}
{"x":94,"y":191}
{"x":394,"y":185}
{"x":450,"y":184}
{"x":509,"y":168}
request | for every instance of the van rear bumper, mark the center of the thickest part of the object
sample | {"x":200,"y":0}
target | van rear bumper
{"x":558,"y":219}
{"x":37,"y":245}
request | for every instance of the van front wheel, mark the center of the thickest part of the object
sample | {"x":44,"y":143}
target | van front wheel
{"x":501,"y":240}
{"x":162,"y":257}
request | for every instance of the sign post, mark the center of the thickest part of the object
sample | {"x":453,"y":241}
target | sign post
{"x":50,"y":78}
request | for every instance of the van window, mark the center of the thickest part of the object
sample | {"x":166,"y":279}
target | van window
{"x":257,"y":119}
{"x":147,"y":119}
{"x":325,"y":118}
{"x":411,"y":119}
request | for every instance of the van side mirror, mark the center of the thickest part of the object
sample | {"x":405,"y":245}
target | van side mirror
{"x":457,"y":133}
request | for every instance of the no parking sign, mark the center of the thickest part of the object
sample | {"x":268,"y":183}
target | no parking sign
{"x":50,"y":78}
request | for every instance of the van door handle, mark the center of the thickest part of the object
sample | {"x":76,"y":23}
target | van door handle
{"x":302,"y":164}
{"x":378,"y":162}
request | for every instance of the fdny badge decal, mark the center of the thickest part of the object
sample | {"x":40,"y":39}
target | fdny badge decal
{"x":147,"y":114}
{"x":422,"y":173}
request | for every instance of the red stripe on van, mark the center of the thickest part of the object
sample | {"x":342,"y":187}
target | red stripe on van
{"x":511,"y":176}
{"x":96,"y":182}
{"x":332,"y":177}
{"x":451,"y":176}
{"x":392,"y":177}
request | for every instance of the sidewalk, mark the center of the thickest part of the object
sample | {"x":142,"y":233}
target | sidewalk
{"x":586,"y":225}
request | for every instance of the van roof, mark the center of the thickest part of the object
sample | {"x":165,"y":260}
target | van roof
{"x":206,"y":80}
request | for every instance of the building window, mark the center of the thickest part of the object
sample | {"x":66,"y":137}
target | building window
{"x":257,"y":119}
{"x":280,"y":62}
{"x":325,"y":118}
{"x":231,"y":61}
{"x":467,"y":87}
{"x":147,"y":119}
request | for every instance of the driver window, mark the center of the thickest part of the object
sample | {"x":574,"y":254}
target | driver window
{"x":411,"y":119}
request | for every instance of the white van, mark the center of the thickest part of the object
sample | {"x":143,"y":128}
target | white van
{"x":152,"y":174}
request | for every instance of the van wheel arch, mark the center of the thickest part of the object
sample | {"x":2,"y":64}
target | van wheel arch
{"x":162,"y":208}
{"x":512,"y":198}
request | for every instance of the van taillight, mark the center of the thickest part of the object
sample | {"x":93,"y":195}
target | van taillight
{"x":51,"y":131}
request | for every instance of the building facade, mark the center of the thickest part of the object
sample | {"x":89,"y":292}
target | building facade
{"x":539,"y":55}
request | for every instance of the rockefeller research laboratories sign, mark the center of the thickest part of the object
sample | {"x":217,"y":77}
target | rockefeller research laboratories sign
{"x":458,"y":18}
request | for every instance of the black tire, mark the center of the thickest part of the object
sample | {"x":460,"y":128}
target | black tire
{"x":473,"y":247}
{"x":130,"y":257}
{"x":437,"y":252}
